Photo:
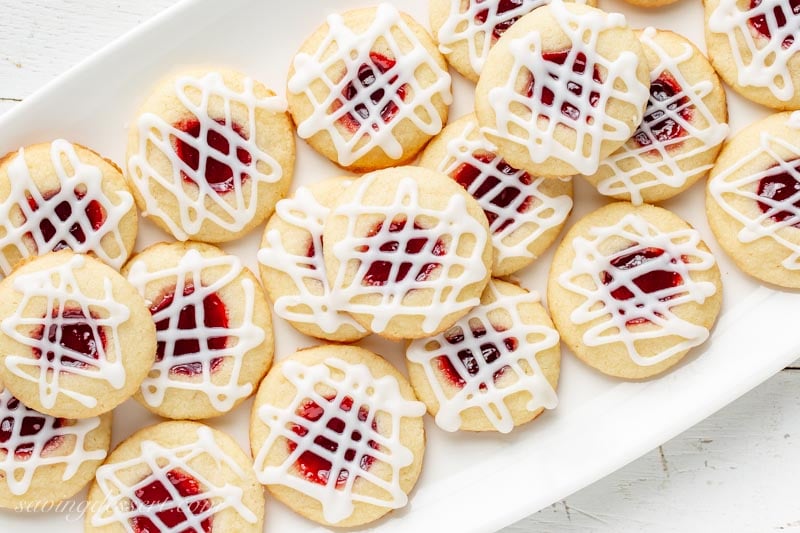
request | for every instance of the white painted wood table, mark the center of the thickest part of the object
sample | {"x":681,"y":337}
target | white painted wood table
{"x":738,"y":471}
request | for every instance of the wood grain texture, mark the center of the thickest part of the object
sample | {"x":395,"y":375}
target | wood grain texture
{"x":735,"y":472}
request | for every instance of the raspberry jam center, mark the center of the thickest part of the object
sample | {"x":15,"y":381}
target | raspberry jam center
{"x":367,"y":77}
{"x":318,"y":469}
{"x":18,"y":422}
{"x":184,"y":330}
{"x":547,"y":97}
{"x":72,"y":332}
{"x":218,"y":174}
{"x":499,"y":185}
{"x":503,"y":6}
{"x":380,"y":271}
{"x":763,"y":27}
{"x":489,"y":352}
{"x":171,"y":516}
{"x":95,"y":214}
{"x":657,"y":120}
{"x":780,"y":186}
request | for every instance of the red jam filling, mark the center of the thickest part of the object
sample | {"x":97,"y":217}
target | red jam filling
{"x":72,"y":332}
{"x":466,"y":175}
{"x":578,"y":67}
{"x":367,"y":78}
{"x":318,"y":469}
{"x":760,"y":24}
{"x":33,"y":422}
{"x":780,"y":186}
{"x":156,"y":494}
{"x":215,"y":315}
{"x":218,"y":175}
{"x":489,"y":352}
{"x":661,"y":125}
{"x":379,"y":272}
{"x":503,"y":6}
{"x":95,"y":214}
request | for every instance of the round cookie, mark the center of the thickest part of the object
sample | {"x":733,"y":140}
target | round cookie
{"x":466,"y":31}
{"x":651,"y":3}
{"x":337,"y":409}
{"x":682,"y":131}
{"x":633,"y":289}
{"x":407,"y":252}
{"x":332,"y":101}
{"x":61,"y":195}
{"x":76,"y":339}
{"x":210,"y":154}
{"x":563,"y":88}
{"x":213,"y":327}
{"x":752,"y":46}
{"x":293,"y":269}
{"x":525,"y":213}
{"x":753,"y":199}
{"x":176,"y":476}
{"x":44,"y":459}
{"x":495,"y":369}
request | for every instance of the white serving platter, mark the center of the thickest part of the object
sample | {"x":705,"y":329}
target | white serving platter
{"x":470,"y":482}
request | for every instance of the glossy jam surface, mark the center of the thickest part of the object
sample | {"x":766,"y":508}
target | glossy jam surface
{"x":32,"y":423}
{"x":761,"y":24}
{"x":214,"y":315}
{"x":503,"y":6}
{"x":95,"y":214}
{"x":466,"y":175}
{"x":218,"y":174}
{"x":380,"y":271}
{"x":167,"y":509}
{"x":578,"y":67}
{"x":662,"y":126}
{"x":318,"y":469}
{"x":489,"y":351}
{"x":366,"y":78}
{"x":781,"y":186}
{"x":71,"y":331}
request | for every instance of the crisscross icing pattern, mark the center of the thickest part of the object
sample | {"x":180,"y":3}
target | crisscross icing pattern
{"x":455,"y":270}
{"x":121,"y":504}
{"x":762,"y":223}
{"x":343,"y":50}
{"x":530,"y":210}
{"x":682,"y":256}
{"x":59,"y":287}
{"x":18,"y":471}
{"x":590,"y":122}
{"x":659,"y":158}
{"x":237,"y":206}
{"x":369,"y":396}
{"x":519,"y":367}
{"x":80,"y":187}
{"x":313,"y":302}
{"x":766,"y":61}
{"x":240,"y":339}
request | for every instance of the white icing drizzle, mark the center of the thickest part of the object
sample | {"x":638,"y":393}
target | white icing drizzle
{"x":313,"y":298}
{"x":347,"y":51}
{"x":59,"y":287}
{"x":756,"y":223}
{"x":611,"y":314}
{"x":81,"y":178}
{"x":594,"y":124}
{"x":445,"y":284}
{"x":766,"y":62}
{"x":544,"y":212}
{"x":18,"y":472}
{"x":662,"y":159}
{"x":481,"y":391}
{"x":120,"y":503}
{"x":240,"y":339}
{"x":238,"y":206}
{"x":354,"y":381}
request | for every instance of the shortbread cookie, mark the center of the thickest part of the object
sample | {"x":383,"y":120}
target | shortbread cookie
{"x":563,"y":88}
{"x":337,"y":435}
{"x":753,"y":199}
{"x":495,"y":369}
{"x":176,"y":477}
{"x":61,"y":195}
{"x":754,"y":47}
{"x":633,"y":289}
{"x":44,"y":459}
{"x":213,"y":328}
{"x":525,"y":213}
{"x":407,"y":252}
{"x":76,"y":339}
{"x":293,"y":269}
{"x":682,"y":130}
{"x":337,"y":109}
{"x":210,"y":154}
{"x":466,"y":31}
